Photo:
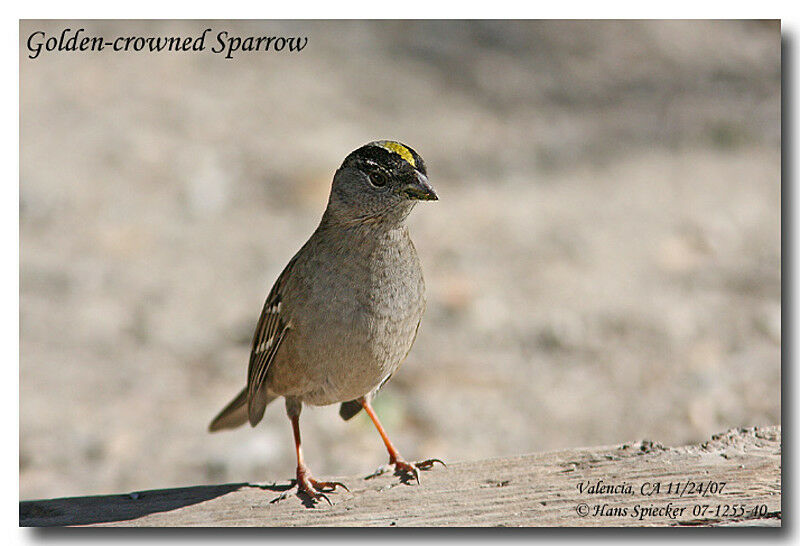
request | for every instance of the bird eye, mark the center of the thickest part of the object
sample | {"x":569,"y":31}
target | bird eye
{"x":378,"y":179}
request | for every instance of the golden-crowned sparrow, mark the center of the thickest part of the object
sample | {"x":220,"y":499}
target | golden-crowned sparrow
{"x":345,"y":311}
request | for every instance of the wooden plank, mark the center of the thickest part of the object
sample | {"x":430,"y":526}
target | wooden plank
{"x":733,"y":479}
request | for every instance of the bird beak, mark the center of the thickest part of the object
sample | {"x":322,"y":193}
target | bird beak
{"x":420,"y":189}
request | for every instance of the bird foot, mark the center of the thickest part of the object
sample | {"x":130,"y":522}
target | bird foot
{"x":406,"y":470}
{"x":315,"y":490}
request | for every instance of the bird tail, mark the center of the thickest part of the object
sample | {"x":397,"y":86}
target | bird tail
{"x":348,"y":410}
{"x":236,"y":413}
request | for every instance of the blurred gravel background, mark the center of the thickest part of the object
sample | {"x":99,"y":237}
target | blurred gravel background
{"x":603,"y":266}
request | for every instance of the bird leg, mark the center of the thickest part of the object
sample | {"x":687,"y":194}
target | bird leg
{"x":401,"y":467}
{"x":306,"y":484}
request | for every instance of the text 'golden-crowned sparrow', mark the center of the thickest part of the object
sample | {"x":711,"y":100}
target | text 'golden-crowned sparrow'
{"x":345,"y":311}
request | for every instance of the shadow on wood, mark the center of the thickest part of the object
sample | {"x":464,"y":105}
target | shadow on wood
{"x":116,"y":508}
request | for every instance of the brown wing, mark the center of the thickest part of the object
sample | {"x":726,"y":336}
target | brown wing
{"x":270,"y":332}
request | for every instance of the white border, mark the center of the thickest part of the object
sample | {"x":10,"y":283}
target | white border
{"x":410,"y":9}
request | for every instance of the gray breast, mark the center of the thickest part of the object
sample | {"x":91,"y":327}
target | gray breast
{"x":354,"y":307}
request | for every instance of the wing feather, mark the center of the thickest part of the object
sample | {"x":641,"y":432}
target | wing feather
{"x":270,"y":332}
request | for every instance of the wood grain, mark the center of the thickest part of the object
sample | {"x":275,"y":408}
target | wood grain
{"x":532,"y":490}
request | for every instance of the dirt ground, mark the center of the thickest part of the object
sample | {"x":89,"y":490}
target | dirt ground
{"x":604,"y":263}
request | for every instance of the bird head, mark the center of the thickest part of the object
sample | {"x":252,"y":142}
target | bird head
{"x":379,"y":182}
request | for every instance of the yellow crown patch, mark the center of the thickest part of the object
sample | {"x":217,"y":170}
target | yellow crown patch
{"x":399,"y":149}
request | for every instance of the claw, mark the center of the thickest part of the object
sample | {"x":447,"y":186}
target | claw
{"x":328,"y":487}
{"x":279,"y":498}
{"x":427,"y":465}
{"x":379,"y":472}
{"x":402,"y":468}
{"x":308,"y":490}
{"x":315,"y":490}
{"x":317,"y":496}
